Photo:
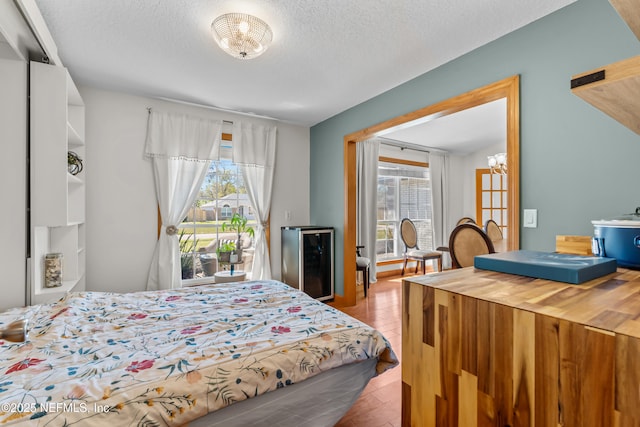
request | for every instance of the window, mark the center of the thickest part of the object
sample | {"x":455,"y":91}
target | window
{"x":222,"y":195}
{"x":404,"y":191}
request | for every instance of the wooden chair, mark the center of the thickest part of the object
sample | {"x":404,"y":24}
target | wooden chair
{"x":465,"y":220}
{"x":409,"y":237}
{"x":363,"y":264}
{"x":493,"y":230}
{"x":467,"y":241}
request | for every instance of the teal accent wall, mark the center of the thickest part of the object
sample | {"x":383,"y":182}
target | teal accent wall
{"x":577,"y":164}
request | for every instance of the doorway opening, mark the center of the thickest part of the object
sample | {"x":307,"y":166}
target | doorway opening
{"x":507,"y":88}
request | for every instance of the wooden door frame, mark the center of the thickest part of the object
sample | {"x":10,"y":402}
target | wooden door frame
{"x":508,"y":88}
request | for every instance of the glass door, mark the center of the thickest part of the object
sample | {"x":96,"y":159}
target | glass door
{"x":491,"y":198}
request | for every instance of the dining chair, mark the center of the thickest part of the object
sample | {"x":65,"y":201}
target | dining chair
{"x":409,"y":237}
{"x":493,"y":230}
{"x":363,"y":264}
{"x":467,"y":241}
{"x":465,"y":220}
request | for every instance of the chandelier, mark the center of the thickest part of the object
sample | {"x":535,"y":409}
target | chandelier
{"x":498,"y":163}
{"x":241,"y":36}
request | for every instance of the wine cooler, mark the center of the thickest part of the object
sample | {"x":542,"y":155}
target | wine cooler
{"x":307,"y":260}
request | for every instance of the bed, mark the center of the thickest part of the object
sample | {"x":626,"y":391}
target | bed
{"x":249,"y":353}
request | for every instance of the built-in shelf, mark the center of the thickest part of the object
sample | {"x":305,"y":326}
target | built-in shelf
{"x":57,"y":197}
{"x":47,"y":295}
{"x":615,"y":89}
{"x":74,"y":139}
{"x":73,"y":179}
{"x":67,"y":285}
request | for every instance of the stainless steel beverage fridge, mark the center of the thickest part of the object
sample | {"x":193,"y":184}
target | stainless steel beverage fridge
{"x":307,"y":260}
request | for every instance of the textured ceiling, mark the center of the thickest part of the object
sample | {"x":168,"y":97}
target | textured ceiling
{"x":327,"y":55}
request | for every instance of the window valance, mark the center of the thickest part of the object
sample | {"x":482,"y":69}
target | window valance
{"x":177,"y":136}
{"x":254,"y":145}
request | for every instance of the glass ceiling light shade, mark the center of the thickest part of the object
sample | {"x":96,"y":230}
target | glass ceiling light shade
{"x":241,"y":36}
{"x":498,"y":163}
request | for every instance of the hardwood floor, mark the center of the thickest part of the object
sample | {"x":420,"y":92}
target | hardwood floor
{"x":380,"y":403}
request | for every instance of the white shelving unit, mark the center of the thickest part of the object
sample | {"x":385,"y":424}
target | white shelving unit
{"x":57,"y":197}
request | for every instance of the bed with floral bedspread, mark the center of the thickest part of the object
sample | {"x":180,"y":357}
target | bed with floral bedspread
{"x":169,"y":357}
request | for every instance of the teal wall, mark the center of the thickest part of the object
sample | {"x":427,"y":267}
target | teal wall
{"x":577,"y":164}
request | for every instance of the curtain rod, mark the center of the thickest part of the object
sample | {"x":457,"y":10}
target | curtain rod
{"x":224,"y":110}
{"x":408,"y":146}
{"x":224,"y":121}
{"x":401,"y":145}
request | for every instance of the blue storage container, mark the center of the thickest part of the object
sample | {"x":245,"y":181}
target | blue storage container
{"x":620,"y":239}
{"x":544,"y":265}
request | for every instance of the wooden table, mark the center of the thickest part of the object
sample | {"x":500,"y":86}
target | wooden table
{"x":501,"y":245}
{"x":230,"y":276}
{"x":493,"y":349}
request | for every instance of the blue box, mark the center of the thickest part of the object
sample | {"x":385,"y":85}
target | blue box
{"x":548,"y":265}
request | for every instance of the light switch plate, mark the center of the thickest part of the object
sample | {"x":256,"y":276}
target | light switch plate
{"x":530,"y":218}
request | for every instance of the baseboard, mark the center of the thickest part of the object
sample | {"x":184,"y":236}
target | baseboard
{"x":388,"y":273}
{"x":398,"y":272}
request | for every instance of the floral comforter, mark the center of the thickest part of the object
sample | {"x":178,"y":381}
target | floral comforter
{"x":168,"y":357}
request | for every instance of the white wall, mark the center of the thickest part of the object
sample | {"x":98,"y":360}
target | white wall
{"x":476,"y":160}
{"x":13,"y":182}
{"x":290,"y":188}
{"x":462,"y":181}
{"x":121,"y":204}
{"x":457,"y":172}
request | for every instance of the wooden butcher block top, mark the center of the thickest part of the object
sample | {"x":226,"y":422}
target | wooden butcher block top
{"x":610,"y":303}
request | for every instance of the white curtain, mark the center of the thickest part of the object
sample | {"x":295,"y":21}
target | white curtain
{"x":254,"y":151}
{"x":180,"y":149}
{"x":439,"y":170}
{"x":367,"y":153}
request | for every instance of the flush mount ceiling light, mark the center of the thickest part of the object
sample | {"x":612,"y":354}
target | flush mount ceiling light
{"x":241,"y":36}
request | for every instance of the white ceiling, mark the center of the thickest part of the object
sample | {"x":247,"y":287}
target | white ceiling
{"x":327,"y":55}
{"x":461,"y":133}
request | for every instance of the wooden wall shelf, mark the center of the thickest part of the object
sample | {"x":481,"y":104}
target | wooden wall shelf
{"x":618,"y":94}
{"x":629,"y":10}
